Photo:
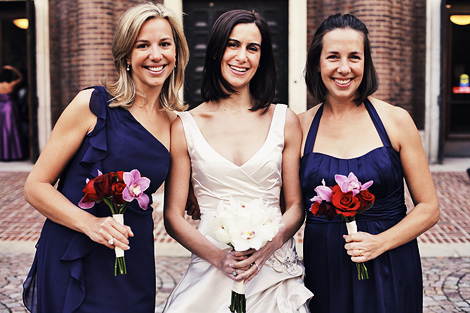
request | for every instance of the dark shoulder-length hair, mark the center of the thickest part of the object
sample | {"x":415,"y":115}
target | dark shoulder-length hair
{"x":313,"y":79}
{"x":263,"y":83}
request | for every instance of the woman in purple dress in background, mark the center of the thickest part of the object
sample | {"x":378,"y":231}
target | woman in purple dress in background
{"x":10,"y":142}
{"x":116,"y":127}
{"x":349,"y":131}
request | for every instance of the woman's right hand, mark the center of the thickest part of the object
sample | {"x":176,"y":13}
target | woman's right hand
{"x":227,"y":265}
{"x":103,"y":229}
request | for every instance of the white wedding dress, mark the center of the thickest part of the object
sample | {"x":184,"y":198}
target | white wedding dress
{"x":278,"y":287}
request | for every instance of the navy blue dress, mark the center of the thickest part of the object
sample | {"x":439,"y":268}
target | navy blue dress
{"x":72,"y":273}
{"x":395,"y":283}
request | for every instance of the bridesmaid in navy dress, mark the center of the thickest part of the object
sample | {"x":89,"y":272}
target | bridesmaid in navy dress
{"x":118,"y":127}
{"x":349,"y":131}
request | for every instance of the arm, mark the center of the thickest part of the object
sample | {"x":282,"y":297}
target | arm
{"x":71,"y":128}
{"x":294,"y":214}
{"x":20,"y":76}
{"x":176,"y":195}
{"x":405,"y":139}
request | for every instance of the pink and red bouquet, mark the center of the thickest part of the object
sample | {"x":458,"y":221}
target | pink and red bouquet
{"x":347,"y":198}
{"x":116,"y":189}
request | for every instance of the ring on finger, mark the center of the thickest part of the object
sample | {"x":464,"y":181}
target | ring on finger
{"x":360,"y":252}
{"x":111,"y":241}
{"x":235,"y":273}
{"x":257,"y":267}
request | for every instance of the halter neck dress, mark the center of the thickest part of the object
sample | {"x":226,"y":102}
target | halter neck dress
{"x":395,"y":283}
{"x":72,"y":273}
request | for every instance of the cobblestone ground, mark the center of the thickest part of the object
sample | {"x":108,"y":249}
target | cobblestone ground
{"x":446,"y":282}
{"x":446,"y":279}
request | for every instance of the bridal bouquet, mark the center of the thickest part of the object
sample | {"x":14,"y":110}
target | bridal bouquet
{"x":116,"y":189}
{"x":347,"y":198}
{"x":243,"y":226}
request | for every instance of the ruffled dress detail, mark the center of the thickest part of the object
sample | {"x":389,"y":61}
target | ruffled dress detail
{"x":72,"y":273}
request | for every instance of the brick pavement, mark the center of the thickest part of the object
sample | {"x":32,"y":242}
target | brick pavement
{"x":446,"y":278}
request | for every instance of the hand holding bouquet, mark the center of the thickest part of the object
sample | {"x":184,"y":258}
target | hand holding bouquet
{"x":116,"y":189}
{"x":243,"y":227}
{"x":347,"y":198}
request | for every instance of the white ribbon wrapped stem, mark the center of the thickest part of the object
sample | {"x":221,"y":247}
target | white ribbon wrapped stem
{"x":352,"y":227}
{"x":120,"y":219}
{"x":239,"y":287}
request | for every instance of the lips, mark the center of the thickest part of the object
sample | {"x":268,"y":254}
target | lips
{"x":342,"y":81}
{"x":155,"y":68}
{"x":238,"y":69}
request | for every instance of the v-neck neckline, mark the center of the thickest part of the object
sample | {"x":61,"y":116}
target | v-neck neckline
{"x":224,"y":158}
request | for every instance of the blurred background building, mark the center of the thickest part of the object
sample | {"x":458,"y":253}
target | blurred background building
{"x":421,"y":49}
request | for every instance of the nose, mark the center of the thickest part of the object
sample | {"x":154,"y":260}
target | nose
{"x":241,"y":55}
{"x":344,"y":67}
{"x":155,"y":53}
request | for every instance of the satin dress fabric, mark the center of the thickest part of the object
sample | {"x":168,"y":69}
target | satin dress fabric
{"x":72,"y":273}
{"x":395,"y":277}
{"x":278,"y":287}
{"x":10,"y":140}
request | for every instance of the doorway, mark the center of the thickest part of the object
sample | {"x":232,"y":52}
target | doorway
{"x":14,"y":52}
{"x":456,"y":72}
{"x":198,"y":20}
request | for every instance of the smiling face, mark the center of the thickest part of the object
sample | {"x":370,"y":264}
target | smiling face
{"x":242,"y":55}
{"x":342,"y":63}
{"x":153,"y":56}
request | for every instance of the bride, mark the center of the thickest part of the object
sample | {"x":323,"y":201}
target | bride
{"x":237,"y":145}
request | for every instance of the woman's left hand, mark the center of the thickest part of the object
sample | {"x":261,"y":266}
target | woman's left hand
{"x":362,"y":246}
{"x":255,"y":261}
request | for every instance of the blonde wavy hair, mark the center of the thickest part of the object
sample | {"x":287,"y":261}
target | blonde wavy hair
{"x":124,"y":90}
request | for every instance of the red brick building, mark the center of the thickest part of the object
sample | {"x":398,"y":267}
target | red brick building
{"x":415,"y":60}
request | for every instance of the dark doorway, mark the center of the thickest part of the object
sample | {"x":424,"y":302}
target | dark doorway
{"x":198,"y":20}
{"x":14,"y":52}
{"x":456,"y":72}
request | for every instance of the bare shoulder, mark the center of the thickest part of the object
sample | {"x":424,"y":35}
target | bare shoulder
{"x":306,"y":117}
{"x":171,"y":116}
{"x":397,"y":122}
{"x":292,"y":119}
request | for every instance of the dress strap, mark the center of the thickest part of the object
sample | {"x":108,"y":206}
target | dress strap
{"x":312,"y":133}
{"x":379,"y":126}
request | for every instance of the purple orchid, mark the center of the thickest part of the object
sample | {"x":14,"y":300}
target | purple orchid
{"x":351,"y":183}
{"x":136,"y":185}
{"x":323,"y":193}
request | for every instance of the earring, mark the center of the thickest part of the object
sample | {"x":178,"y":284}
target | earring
{"x":128,"y":68}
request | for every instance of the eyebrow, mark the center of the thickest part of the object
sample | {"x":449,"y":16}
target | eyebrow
{"x":251,"y":43}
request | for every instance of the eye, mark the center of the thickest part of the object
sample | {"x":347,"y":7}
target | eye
{"x":141,"y":45}
{"x":232,"y":44}
{"x":166,"y":44}
{"x":332,"y":57}
{"x":253,"y":48}
{"x":355,"y":57}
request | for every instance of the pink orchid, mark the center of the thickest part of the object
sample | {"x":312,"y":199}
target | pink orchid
{"x":351,"y":183}
{"x":323,"y":193}
{"x":136,"y":185}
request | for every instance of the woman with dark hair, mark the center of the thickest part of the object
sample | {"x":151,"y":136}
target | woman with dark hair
{"x":10,"y":139}
{"x":116,"y":127}
{"x":237,"y":145}
{"x":351,"y":132}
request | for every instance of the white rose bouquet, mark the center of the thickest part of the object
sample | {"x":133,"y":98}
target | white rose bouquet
{"x":244,"y":226}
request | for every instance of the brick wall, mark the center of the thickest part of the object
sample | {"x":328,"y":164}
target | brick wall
{"x":397,"y":34}
{"x":81,"y":33}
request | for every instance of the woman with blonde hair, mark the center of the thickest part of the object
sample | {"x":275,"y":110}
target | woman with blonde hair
{"x":119,"y":127}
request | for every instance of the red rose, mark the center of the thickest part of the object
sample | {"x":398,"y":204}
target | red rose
{"x":346,"y":204}
{"x":366,"y":198}
{"x":90,"y":193}
{"x":117,"y":189}
{"x":103,"y":184}
{"x":120,"y":175}
{"x":320,"y":209}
